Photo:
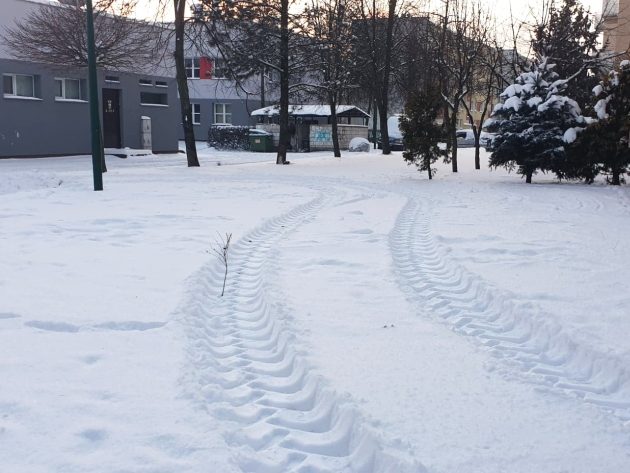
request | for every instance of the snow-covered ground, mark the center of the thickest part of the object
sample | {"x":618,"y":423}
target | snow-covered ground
{"x":373,"y":321}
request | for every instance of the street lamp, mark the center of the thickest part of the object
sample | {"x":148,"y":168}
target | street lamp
{"x":95,"y":121}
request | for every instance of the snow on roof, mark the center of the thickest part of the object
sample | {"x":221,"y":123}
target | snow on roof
{"x":308,"y":110}
{"x":45,"y":2}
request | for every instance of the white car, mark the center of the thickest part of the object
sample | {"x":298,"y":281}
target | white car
{"x":465,"y":138}
{"x":395,"y":135}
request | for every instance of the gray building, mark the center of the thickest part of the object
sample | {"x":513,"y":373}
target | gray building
{"x":215,"y":99}
{"x":44,"y":112}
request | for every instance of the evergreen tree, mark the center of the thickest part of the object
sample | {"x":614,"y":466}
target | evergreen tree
{"x":533,"y":122}
{"x":569,"y":38}
{"x":421,"y":135}
{"x":603,"y":146}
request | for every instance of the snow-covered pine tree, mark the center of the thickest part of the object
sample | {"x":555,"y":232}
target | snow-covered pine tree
{"x":603,"y":146}
{"x":569,"y":35}
{"x":534,"y":122}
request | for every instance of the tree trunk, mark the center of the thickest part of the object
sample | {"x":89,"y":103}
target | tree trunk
{"x":477,"y":134}
{"x":382,"y":112}
{"x":616,"y":178}
{"x":454,"y":140}
{"x":528,"y":177}
{"x":335,"y":130}
{"x":428,"y":163}
{"x":477,"y":157}
{"x":182,"y":84}
{"x":281,"y":158}
{"x":262,"y":89}
{"x":384,"y":92}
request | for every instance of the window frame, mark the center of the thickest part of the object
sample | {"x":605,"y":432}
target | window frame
{"x":195,"y":65}
{"x":196,"y":113}
{"x":13,"y":94}
{"x":63,"y":98}
{"x":224,"y":113}
{"x":161,"y":94}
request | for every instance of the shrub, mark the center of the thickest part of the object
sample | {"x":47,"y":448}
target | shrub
{"x":229,"y":137}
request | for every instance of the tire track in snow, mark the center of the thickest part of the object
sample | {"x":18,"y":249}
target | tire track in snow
{"x":250,"y":375}
{"x":516,"y":332}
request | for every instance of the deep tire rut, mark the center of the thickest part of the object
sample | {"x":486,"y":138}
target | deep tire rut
{"x":518,"y":333}
{"x":283,"y":417}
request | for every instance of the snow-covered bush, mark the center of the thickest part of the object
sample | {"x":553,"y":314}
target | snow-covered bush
{"x":359,"y":145}
{"x":534,"y":122}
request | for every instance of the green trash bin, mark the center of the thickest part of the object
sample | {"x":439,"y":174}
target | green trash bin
{"x":260,"y":141}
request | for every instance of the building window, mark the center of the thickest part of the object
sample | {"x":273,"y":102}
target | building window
{"x":196,"y":113}
{"x":222,"y":113}
{"x":113,"y":79}
{"x":146,"y":82}
{"x":192,"y":67}
{"x":152,"y":98}
{"x":18,"y":85}
{"x":220,"y":69}
{"x":70,"y":89}
{"x":161,"y":83}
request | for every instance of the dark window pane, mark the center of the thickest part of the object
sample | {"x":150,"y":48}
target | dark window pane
{"x":73,"y":89}
{"x":151,"y":98}
{"x":7,"y":85}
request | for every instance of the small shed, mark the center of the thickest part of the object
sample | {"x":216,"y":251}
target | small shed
{"x":310,"y":125}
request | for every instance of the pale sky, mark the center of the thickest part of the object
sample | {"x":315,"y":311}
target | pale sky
{"x":522,"y":8}
{"x":500,"y":8}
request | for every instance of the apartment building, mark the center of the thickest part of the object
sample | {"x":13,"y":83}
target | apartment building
{"x":616,"y":14}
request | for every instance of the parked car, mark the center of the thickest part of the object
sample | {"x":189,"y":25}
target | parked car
{"x":465,"y":138}
{"x":395,"y":135}
{"x":486,"y":140}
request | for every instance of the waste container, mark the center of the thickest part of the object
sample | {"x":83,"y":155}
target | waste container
{"x":260,"y":140}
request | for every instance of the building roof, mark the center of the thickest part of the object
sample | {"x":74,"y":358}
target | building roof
{"x":311,"y":111}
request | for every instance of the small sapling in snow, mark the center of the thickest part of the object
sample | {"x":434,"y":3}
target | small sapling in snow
{"x":221,"y":249}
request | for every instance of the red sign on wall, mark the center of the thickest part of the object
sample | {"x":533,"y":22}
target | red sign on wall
{"x":205,"y":68}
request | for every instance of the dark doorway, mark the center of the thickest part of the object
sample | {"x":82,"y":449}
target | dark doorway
{"x":111,"y":118}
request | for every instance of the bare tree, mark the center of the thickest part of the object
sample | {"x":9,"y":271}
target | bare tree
{"x":55,"y":35}
{"x":460,"y":44}
{"x":485,"y":87}
{"x":377,"y":37}
{"x":255,"y":37}
{"x":329,"y":25}
{"x":180,"y":8}
{"x":414,"y":69}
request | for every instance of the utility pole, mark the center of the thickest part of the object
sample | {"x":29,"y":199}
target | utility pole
{"x":97,"y":148}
